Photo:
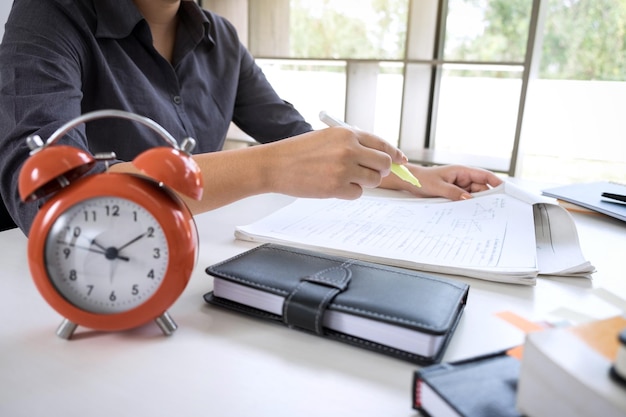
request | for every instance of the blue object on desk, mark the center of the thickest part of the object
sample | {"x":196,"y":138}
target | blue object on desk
{"x":590,"y":196}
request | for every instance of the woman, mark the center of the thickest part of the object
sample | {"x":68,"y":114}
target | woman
{"x":185,"y":68}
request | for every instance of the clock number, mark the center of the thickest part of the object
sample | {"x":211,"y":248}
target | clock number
{"x":76,"y":231}
{"x":73,"y":276}
{"x":89,"y":289}
{"x":93,"y":215}
{"x":151,"y":274}
{"x":112,"y":296}
{"x":150,"y":232}
{"x":135,"y":290}
{"x":67,"y":252}
{"x":113,"y":210}
{"x":156,"y":253}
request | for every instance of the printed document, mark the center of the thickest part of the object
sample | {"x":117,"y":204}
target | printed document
{"x":493,"y":236}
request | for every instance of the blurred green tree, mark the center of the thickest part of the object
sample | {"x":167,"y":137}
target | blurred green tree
{"x":354,"y":29}
{"x":582,"y":39}
{"x":585,"y":40}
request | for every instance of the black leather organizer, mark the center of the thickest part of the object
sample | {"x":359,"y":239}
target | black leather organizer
{"x":403,"y":313}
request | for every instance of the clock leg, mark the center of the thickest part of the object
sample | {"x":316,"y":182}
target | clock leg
{"x":166,"y":324}
{"x":66,"y":329}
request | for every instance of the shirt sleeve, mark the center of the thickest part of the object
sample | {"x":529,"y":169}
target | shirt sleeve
{"x":259,"y":111}
{"x":40,"y":89}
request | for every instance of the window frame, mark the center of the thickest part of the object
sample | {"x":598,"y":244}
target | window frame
{"x":423,"y":64}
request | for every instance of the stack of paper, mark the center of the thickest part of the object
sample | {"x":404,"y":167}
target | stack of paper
{"x":504,"y":234}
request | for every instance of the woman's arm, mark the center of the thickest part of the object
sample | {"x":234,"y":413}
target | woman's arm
{"x":334,"y":162}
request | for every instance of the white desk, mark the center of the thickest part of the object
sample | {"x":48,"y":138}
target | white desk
{"x":219,"y":363}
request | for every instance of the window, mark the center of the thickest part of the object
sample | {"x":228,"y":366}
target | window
{"x":456,"y":80}
{"x":574,"y":125}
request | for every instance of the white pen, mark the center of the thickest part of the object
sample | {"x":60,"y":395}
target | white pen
{"x":400,"y":170}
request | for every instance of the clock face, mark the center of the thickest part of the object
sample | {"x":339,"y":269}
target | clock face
{"x":106,"y":255}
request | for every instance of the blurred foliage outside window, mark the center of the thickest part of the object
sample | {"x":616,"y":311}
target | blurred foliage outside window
{"x":582,"y":39}
{"x":348,"y":29}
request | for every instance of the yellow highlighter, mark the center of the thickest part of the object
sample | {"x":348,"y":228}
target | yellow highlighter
{"x":404,"y":174}
{"x":400,"y":170}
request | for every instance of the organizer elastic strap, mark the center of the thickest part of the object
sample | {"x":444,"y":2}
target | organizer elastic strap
{"x":306,"y":304}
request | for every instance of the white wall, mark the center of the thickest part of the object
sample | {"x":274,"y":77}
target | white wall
{"x":5,"y":7}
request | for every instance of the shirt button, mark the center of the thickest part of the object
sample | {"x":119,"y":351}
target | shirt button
{"x":177,"y":100}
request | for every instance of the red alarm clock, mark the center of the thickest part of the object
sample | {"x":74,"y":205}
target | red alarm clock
{"x":111,"y":251}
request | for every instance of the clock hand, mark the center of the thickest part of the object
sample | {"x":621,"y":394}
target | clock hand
{"x":110,"y":253}
{"x":93,"y":242}
{"x":131,"y":242}
{"x":74,"y":245}
{"x":112,"y":269}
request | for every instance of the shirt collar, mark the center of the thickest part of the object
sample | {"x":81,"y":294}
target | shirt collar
{"x":117,"y":19}
{"x":196,"y":20}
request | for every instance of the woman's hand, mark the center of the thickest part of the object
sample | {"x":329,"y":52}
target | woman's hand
{"x":334,"y":162}
{"x":454,"y":182}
